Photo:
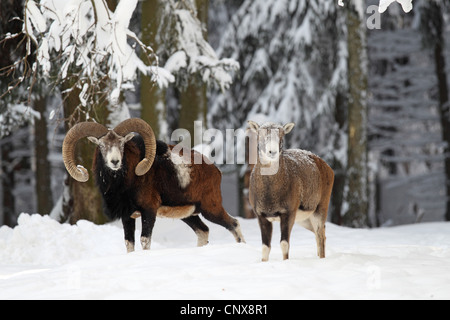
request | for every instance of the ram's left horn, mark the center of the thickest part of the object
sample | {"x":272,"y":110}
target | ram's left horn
{"x":146,"y":132}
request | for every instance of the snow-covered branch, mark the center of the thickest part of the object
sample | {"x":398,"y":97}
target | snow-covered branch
{"x":16,"y":115}
{"x":192,"y":54}
{"x":87,"y":46}
{"x":90,"y":41}
{"x":384,"y":4}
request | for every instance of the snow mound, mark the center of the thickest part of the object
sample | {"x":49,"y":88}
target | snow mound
{"x":40,"y":240}
{"x":42,"y":259}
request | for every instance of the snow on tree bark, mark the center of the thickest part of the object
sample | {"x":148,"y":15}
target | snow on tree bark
{"x":153,"y":98}
{"x":81,"y":199}
{"x":88,"y":38}
{"x":432,"y":24}
{"x":356,"y":214}
{"x":42,"y":185}
{"x":193,"y":96}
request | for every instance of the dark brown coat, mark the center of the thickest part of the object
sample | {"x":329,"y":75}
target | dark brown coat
{"x":162,"y":186}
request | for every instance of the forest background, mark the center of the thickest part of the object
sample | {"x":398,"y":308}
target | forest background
{"x":368,"y":93}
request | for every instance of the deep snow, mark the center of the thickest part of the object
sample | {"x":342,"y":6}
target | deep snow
{"x":42,"y":259}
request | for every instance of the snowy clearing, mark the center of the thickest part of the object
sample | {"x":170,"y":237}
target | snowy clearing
{"x":42,"y":259}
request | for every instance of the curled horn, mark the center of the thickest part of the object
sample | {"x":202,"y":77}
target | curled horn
{"x":78,"y":131}
{"x":146,"y":132}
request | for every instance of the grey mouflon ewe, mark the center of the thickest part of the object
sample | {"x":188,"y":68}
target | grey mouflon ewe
{"x":290,"y":186}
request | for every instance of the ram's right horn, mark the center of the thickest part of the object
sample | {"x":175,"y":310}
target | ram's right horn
{"x":77,"y":132}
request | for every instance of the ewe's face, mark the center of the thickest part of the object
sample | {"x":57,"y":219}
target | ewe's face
{"x":111,"y":147}
{"x":270,"y":141}
{"x":270,"y":144}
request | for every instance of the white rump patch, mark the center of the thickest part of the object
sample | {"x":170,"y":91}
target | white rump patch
{"x":302,"y":215}
{"x":180,"y":212}
{"x":135,"y":215}
{"x":183,"y":169}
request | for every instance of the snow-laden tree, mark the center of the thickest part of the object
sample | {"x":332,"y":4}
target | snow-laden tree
{"x":84,"y":40}
{"x":86,"y":44}
{"x":283,"y":76}
{"x":177,"y":29}
{"x":190,"y":54}
{"x":407,"y":5}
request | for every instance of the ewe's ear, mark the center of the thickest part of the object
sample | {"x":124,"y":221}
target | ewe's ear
{"x":288,"y":127}
{"x":94,"y":140}
{"x":253,"y":125}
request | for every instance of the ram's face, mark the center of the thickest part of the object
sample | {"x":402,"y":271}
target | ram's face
{"x":111,"y":147}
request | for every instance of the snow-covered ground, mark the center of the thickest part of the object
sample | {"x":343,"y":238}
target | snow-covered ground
{"x":42,"y":259}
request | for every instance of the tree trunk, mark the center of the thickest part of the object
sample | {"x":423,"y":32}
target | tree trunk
{"x":337,"y":196}
{"x":357,"y":194}
{"x":194,"y":105}
{"x":444,"y":104}
{"x":193,"y":99}
{"x":9,"y":51}
{"x":84,"y":200}
{"x":42,"y":166}
{"x":153,"y":98}
{"x":7,"y":180}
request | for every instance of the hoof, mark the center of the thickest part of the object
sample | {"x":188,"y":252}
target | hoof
{"x":145,"y":243}
{"x":129,"y":245}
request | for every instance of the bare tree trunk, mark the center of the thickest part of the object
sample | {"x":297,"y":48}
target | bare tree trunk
{"x":444,"y":112}
{"x":42,"y":166}
{"x":193,"y":99}
{"x":357,"y":194}
{"x":444,"y":104}
{"x":153,"y":98}
{"x":8,"y":50}
{"x":84,"y":200}
{"x":337,"y":196}
{"x":7,"y":180}
{"x":432,"y":27}
{"x":194,"y":105}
